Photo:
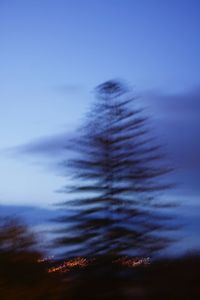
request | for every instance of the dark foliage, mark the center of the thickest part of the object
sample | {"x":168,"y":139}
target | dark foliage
{"x":21,"y":275}
{"x":117,"y":172}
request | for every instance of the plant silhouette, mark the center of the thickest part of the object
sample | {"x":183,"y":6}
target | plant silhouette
{"x":117,"y":172}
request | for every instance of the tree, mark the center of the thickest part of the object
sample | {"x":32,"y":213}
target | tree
{"x":116,"y":174}
{"x":21,"y":274}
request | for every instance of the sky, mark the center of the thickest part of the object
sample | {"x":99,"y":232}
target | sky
{"x":52,"y":55}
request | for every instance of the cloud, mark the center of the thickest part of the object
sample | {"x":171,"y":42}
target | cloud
{"x":180,"y":122}
{"x":180,"y":105}
{"x":177,"y":118}
{"x":52,"y":146}
{"x":171,"y":112}
{"x":69,"y":88}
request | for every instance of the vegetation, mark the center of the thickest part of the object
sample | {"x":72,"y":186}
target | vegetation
{"x":116,"y":219}
{"x":21,"y":276}
{"x":117,"y":171}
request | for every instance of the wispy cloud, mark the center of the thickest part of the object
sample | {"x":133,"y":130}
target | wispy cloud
{"x":177,"y":117}
{"x":69,"y":88}
{"x":180,"y":105}
{"x":52,"y":145}
{"x":172,"y":109}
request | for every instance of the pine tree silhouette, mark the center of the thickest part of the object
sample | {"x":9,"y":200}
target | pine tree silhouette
{"x":117,"y":173}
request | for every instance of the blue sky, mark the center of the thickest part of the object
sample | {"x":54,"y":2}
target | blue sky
{"x":54,"y":52}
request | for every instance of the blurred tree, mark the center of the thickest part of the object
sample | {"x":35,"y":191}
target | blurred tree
{"x":21,"y":275}
{"x":15,"y":237}
{"x":116,"y":174}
